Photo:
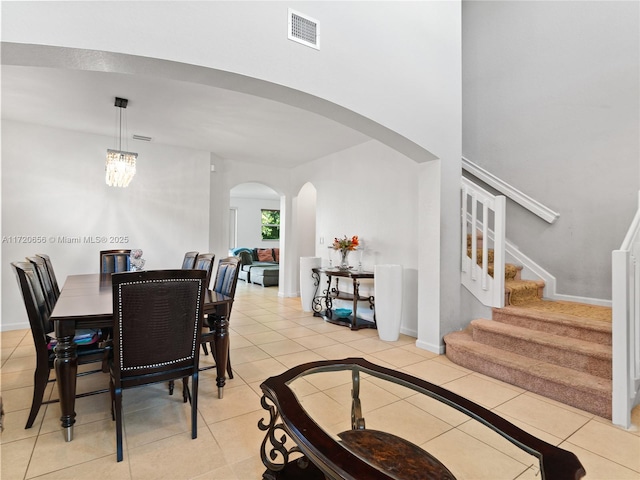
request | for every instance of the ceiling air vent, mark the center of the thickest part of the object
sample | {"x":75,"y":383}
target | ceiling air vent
{"x":304,"y":30}
{"x":142,"y":137}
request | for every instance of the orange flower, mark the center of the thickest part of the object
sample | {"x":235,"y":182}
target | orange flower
{"x":345,"y":243}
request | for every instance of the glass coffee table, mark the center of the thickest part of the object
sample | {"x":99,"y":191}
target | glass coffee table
{"x":352,"y":419}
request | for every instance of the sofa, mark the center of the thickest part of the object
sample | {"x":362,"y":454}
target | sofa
{"x":259,"y":265}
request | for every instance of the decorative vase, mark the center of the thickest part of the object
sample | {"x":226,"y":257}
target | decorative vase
{"x":344,"y":259}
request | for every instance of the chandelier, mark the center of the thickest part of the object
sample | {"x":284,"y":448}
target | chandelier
{"x":121,"y":166}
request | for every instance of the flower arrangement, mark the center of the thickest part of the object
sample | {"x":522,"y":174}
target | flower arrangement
{"x":135,"y":260}
{"x":346,"y":244}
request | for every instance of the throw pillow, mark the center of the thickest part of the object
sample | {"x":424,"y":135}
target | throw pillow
{"x":265,"y":255}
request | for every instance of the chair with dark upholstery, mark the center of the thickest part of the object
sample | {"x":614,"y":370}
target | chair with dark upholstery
{"x":41,"y":330}
{"x":52,"y":274}
{"x":225,"y":283}
{"x":204,"y":261}
{"x":189,"y":260}
{"x":114,"y":261}
{"x":157,"y":318}
{"x":45,"y":281}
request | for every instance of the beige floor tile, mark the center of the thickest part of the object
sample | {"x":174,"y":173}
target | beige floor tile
{"x":20,"y":364}
{"x":338,"y":352}
{"x":406,"y":421}
{"x":294,"y":359}
{"x":25,"y":351}
{"x":316,"y":341}
{"x":438,"y":409}
{"x":249,"y":468}
{"x":479,"y":461}
{"x":15,"y":458}
{"x":555,"y":420}
{"x":267,"y":318}
{"x":264,"y":338}
{"x":91,"y":441}
{"x":325,"y":411}
{"x":14,"y":423}
{"x":536,"y":432}
{"x":235,"y":402}
{"x":239,"y":437}
{"x":259,"y":370}
{"x":222,"y":473}
{"x":609,"y":442}
{"x":298,"y":332}
{"x":20,"y":398}
{"x":102,"y":468}
{"x":398,"y":357}
{"x":11,"y":380}
{"x":88,"y":410}
{"x":433,"y":372}
{"x":12,"y":338}
{"x":600,"y":468}
{"x":481,"y":391}
{"x":245,"y":330}
{"x":282,"y":347}
{"x":411,"y":347}
{"x":326,"y":380}
{"x":149,"y":425}
{"x":176,"y":457}
{"x":370,"y":345}
{"x":247,"y":354}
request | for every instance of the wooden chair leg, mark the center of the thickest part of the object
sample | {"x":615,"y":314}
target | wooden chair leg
{"x":118,"y":409}
{"x":40,"y":379}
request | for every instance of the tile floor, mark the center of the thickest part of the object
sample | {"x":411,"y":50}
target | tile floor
{"x":270,"y":335}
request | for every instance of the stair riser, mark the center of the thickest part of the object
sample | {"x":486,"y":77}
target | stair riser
{"x":598,"y":404}
{"x":573,"y":331}
{"x":575,"y":360}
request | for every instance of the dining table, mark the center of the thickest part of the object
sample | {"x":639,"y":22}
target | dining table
{"x":86,"y":302}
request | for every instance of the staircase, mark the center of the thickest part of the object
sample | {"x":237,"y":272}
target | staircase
{"x":561,"y":350}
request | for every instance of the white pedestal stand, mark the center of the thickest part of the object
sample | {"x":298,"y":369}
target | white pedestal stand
{"x":307,"y":287}
{"x":388,"y":295}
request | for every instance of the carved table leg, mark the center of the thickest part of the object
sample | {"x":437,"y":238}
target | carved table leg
{"x":66,"y":365}
{"x":221,"y":342}
{"x":357,"y":420}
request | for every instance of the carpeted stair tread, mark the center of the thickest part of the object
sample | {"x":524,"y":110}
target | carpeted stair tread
{"x":522,"y":291}
{"x":579,"y":355}
{"x":578,"y":389}
{"x":553,"y":317}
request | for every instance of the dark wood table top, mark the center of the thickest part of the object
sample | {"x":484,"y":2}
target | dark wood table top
{"x":338,"y":272}
{"x":89,"y":297}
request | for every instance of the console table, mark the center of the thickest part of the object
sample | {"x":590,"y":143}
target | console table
{"x":414,"y":430}
{"x":322,"y":304}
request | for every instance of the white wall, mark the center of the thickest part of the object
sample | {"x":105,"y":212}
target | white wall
{"x":54,"y":187}
{"x":551,"y":96}
{"x":354,"y":191}
{"x":249,"y":221}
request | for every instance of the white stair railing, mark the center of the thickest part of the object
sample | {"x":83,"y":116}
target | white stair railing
{"x":482,"y":213}
{"x":626,"y":326}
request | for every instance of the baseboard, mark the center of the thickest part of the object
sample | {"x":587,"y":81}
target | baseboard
{"x":439,"y":349}
{"x":5,"y":327}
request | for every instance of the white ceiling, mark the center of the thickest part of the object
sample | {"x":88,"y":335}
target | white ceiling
{"x":230,"y":124}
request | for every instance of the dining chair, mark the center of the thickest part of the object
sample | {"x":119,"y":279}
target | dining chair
{"x":112,"y":261}
{"x":42,"y":333}
{"x":225,"y":283}
{"x":45,"y":281}
{"x":51,"y":272}
{"x":205,"y":261}
{"x":157,"y":318}
{"x":189,"y":260}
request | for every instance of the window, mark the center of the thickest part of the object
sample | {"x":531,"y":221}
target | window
{"x":270,"y":224}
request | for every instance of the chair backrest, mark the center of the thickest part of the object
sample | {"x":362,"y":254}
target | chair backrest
{"x":36,"y":305}
{"x":52,"y":275}
{"x":189,"y":260}
{"x":113,"y":261}
{"x":157,"y":324}
{"x":204,"y":261}
{"x":45,"y":281}
{"x":227,"y":276}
